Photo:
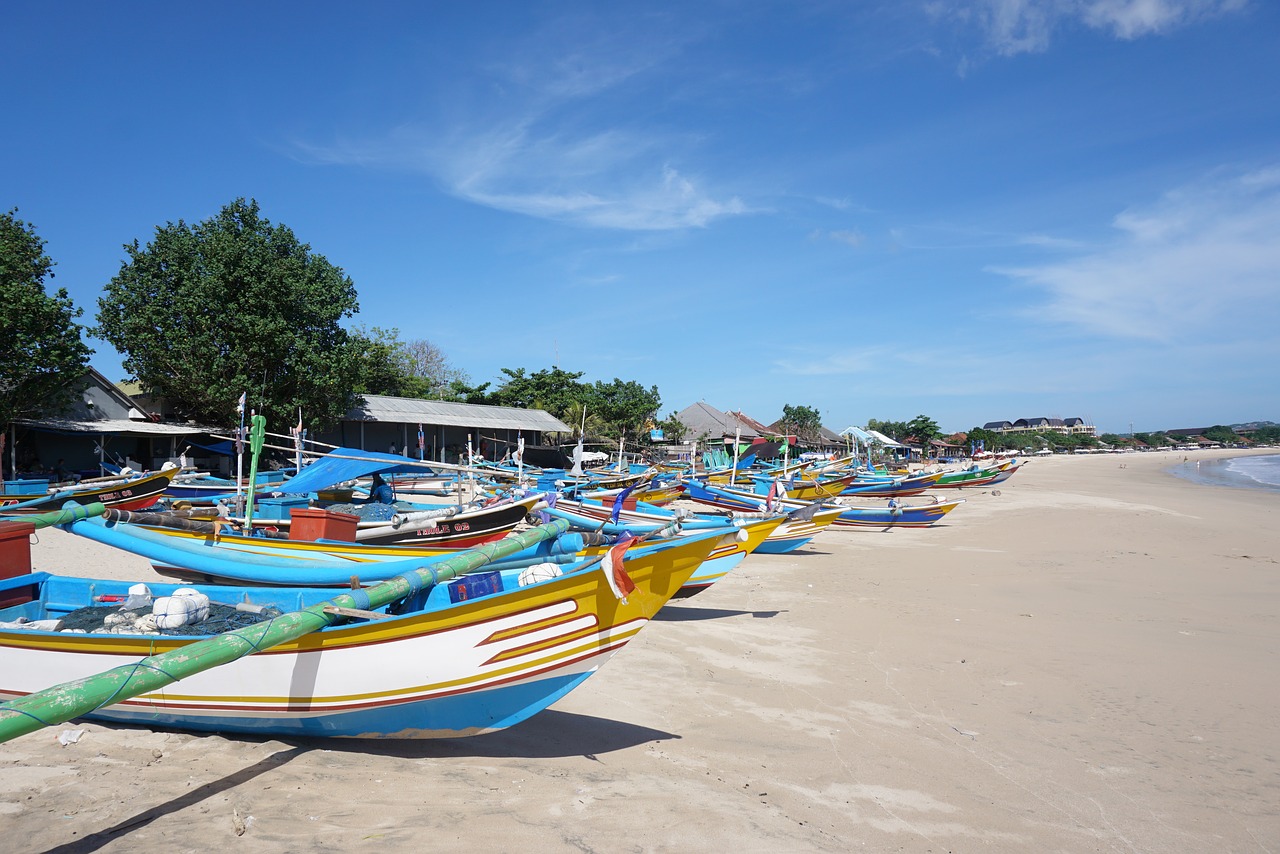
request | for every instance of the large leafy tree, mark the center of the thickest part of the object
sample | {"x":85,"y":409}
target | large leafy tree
{"x":42,"y":358}
{"x":205,"y":312}
{"x":552,"y":389}
{"x":626,"y":407}
{"x":803,"y":421}
{"x":893,"y":429}
{"x":923,"y":428}
{"x":415,"y":368}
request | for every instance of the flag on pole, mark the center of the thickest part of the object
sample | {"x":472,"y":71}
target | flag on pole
{"x":240,"y":404}
{"x":617,"y":502}
{"x":614,"y":572}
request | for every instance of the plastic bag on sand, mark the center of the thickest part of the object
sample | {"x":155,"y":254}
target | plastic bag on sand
{"x":69,"y":736}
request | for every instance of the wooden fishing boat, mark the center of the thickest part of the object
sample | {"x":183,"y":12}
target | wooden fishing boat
{"x":266,"y":561}
{"x":739,"y":538}
{"x":886,"y":513}
{"x":422,"y":666}
{"x":204,"y":488}
{"x":132,"y":492}
{"x":444,"y":526}
{"x":805,"y":489}
{"x":896,"y":486}
{"x":975,"y":475}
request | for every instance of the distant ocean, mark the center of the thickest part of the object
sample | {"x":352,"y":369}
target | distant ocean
{"x":1261,"y":472}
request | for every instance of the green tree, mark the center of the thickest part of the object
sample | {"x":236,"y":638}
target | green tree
{"x":804,"y":421}
{"x":923,"y":428}
{"x":43,"y":361}
{"x":233,"y":304}
{"x":382,"y":364}
{"x":626,"y":407}
{"x":1222,"y":433}
{"x":673,"y":429}
{"x":584,"y":420}
{"x":990,"y":439}
{"x":893,"y":429}
{"x":552,"y":389}
{"x":417,"y":368}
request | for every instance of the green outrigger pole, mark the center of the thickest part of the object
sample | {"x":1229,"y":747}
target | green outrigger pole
{"x":72,"y":699}
{"x":257,"y":437}
{"x":62,"y":517}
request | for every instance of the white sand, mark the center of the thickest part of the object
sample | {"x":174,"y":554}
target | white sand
{"x":1085,"y":661}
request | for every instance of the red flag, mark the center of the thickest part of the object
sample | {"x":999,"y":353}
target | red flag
{"x":614,"y":572}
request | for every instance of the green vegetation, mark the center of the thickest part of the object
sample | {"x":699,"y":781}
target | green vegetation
{"x":919,"y":430}
{"x":203,"y":313}
{"x":613,"y":409}
{"x":804,"y":422}
{"x":398,"y":368}
{"x":41,"y":348}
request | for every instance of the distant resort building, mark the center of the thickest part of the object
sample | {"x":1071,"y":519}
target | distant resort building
{"x":1066,"y":426}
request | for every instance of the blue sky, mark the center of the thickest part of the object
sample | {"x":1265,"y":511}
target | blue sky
{"x":973,"y":211}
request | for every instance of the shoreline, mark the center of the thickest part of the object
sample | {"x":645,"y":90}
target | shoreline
{"x":1074,"y":660}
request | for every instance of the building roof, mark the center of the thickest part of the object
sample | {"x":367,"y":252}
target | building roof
{"x":408,"y":410}
{"x":758,"y":426}
{"x":703,"y":419}
{"x":116,"y":426}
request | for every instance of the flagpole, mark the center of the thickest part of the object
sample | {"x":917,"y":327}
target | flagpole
{"x":733,"y":472}
{"x":240,"y":458}
{"x":297,"y":444}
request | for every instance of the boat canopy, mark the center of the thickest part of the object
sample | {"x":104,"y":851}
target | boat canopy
{"x":338,"y":467}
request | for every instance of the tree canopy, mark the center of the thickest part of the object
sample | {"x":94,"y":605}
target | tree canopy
{"x":42,"y":357}
{"x":229,"y":305}
{"x":398,"y":368}
{"x":804,"y":421}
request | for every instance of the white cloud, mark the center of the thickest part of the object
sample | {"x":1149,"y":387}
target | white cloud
{"x":1012,"y":27}
{"x":530,"y":145}
{"x":1201,"y":263}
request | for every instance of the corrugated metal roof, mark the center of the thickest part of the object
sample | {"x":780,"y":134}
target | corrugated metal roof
{"x":115,"y":425}
{"x":407,"y":410}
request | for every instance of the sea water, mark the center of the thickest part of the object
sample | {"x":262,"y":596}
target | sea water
{"x":1256,"y":472}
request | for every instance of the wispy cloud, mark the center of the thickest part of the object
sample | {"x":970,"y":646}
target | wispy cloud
{"x":1012,"y":27}
{"x":1201,"y":262}
{"x":555,"y":143}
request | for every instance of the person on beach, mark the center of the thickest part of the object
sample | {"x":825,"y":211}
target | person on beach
{"x":380,"y":492}
{"x":62,"y":474}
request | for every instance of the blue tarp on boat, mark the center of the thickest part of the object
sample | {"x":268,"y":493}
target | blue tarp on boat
{"x":329,"y":470}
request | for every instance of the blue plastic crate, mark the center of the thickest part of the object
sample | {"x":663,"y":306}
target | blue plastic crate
{"x":31,"y":486}
{"x":278,"y":508}
{"x":475,"y":585}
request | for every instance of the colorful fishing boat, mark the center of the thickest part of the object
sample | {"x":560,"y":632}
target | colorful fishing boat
{"x":896,"y":486}
{"x":130,"y":492}
{"x":266,"y":561}
{"x":425,"y":665}
{"x":739,"y":538}
{"x":976,"y":475}
{"x":887,"y":513}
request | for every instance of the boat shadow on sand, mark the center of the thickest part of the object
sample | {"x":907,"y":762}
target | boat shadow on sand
{"x":550,"y":734}
{"x":685,"y":614}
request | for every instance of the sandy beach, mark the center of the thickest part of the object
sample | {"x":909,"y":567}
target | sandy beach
{"x":1083,"y":658}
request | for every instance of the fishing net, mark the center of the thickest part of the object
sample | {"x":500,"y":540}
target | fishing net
{"x":112,"y":619}
{"x":369,"y":512}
